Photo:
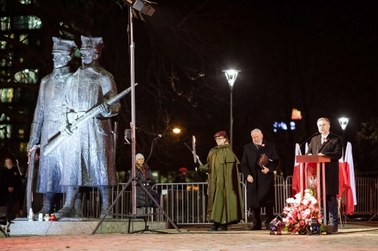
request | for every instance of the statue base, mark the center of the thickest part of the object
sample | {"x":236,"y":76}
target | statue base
{"x":77,"y":226}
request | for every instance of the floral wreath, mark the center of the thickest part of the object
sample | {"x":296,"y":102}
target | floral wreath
{"x":302,"y":215}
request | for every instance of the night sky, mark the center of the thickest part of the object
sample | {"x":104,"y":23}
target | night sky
{"x":319,"y":57}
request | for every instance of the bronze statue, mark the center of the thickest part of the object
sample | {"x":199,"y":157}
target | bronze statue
{"x":88,"y":156}
{"x":49,"y":117}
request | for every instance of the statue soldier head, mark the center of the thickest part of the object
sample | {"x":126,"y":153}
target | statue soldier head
{"x":62,"y":51}
{"x":90,"y":50}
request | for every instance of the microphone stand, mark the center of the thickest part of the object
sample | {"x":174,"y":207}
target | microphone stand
{"x":153,"y":145}
{"x":309,"y":138}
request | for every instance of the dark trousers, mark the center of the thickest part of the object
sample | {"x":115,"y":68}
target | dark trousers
{"x":332,"y":210}
{"x":257,"y":214}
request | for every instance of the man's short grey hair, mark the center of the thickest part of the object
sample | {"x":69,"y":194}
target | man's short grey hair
{"x":256,"y":130}
{"x":323,"y":119}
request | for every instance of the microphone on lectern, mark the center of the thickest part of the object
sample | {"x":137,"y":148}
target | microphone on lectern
{"x":309,"y":138}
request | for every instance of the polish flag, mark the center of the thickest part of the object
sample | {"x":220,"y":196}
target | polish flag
{"x":295,"y":186}
{"x":347,"y":183}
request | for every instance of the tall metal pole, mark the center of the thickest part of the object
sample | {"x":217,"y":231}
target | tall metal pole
{"x":231,"y":116}
{"x":132,"y":123}
{"x":231,"y":76}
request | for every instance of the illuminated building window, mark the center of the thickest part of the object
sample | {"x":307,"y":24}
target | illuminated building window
{"x":27,"y":23}
{"x":21,"y":133}
{"x":6,"y":95}
{"x":24,"y":39}
{"x":4,"y":76}
{"x":21,"y":23}
{"x":3,"y":45}
{"x":5,"y":129}
{"x":4,"y":117}
{"x":3,"y":62}
{"x":26,"y":76}
{"x":23,"y":147}
{"x":5,"y":23}
{"x":5,"y":132}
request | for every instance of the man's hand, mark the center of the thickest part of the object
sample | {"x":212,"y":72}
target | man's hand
{"x":265,"y":170}
{"x":10,"y":189}
{"x":105,"y":109}
{"x":30,"y":150}
{"x":250,"y":178}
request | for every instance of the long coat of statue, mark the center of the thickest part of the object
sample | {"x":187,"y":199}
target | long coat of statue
{"x":49,"y":118}
{"x":93,"y":161}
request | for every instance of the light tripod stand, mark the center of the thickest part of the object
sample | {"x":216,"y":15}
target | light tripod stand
{"x":135,"y":216}
{"x":143,"y":7}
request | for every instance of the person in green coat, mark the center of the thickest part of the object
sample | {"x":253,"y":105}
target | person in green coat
{"x":224,"y":193}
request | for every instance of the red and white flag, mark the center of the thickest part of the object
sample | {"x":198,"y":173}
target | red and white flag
{"x":295,"y":185}
{"x":347,"y":183}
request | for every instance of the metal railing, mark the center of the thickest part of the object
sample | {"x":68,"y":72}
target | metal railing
{"x":186,"y":203}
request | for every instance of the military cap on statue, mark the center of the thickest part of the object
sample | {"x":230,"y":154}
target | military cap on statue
{"x":92,"y":43}
{"x":62,"y":45}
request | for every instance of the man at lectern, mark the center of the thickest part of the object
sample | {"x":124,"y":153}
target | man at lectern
{"x":328,"y":144}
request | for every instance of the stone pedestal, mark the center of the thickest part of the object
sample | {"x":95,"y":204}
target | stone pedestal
{"x":68,"y":226}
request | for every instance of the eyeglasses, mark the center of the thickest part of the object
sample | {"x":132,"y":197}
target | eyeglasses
{"x":219,"y":138}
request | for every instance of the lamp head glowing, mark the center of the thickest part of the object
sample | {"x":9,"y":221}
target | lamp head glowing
{"x":231,"y":76}
{"x":176,"y":130}
{"x":343,"y":122}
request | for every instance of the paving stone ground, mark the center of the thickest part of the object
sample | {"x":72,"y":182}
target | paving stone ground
{"x":352,"y":236}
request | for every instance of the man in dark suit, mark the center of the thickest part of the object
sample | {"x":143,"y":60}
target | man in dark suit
{"x":258,"y":165}
{"x":328,"y":144}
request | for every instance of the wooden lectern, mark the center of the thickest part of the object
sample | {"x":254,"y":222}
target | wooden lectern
{"x":320,"y":161}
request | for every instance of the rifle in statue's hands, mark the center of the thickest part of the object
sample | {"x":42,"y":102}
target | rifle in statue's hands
{"x":69,"y":129}
{"x":30,"y":177}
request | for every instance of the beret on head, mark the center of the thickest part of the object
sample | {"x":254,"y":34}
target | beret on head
{"x":183,"y":170}
{"x":220,"y":134}
{"x":139,"y":156}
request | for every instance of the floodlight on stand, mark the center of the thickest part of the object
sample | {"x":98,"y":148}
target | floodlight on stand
{"x":142,"y":6}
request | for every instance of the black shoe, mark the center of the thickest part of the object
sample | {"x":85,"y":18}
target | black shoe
{"x":214,"y":227}
{"x":332,"y":229}
{"x":256,"y":226}
{"x":223,"y":227}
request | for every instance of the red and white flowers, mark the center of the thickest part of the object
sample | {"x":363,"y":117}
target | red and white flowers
{"x":300,"y":212}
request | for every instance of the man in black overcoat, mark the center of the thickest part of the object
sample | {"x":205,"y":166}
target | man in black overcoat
{"x":258,"y":165}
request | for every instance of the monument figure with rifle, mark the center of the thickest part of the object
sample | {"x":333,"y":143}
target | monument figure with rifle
{"x":88,"y":157}
{"x":49,"y":117}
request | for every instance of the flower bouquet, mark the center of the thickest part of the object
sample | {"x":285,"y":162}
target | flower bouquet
{"x":302,"y":215}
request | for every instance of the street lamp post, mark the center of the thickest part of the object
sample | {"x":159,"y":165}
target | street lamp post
{"x":343,"y":122}
{"x":231,"y":76}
